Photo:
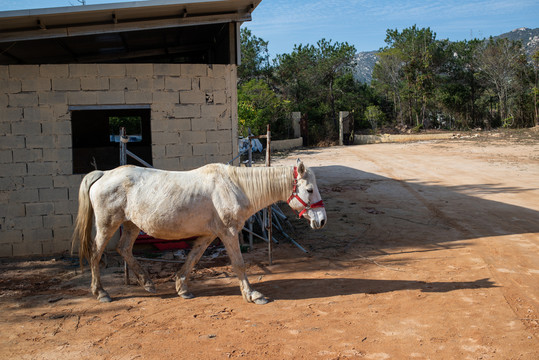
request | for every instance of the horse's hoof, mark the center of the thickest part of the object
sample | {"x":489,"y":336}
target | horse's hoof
{"x":258,"y":298}
{"x":261,"y":301}
{"x":187,"y":295}
{"x":104,"y":299}
{"x":150,"y":288}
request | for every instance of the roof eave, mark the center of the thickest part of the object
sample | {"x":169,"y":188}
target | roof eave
{"x":34,"y":24}
{"x":119,"y":27}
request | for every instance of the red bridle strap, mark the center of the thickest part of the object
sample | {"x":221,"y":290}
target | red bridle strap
{"x":307,"y":206}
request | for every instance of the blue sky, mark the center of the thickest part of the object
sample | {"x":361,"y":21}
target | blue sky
{"x":363,"y":23}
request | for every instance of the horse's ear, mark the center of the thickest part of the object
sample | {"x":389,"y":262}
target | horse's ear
{"x":301,"y":168}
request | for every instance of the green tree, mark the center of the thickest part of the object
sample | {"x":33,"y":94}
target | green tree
{"x":295,"y":76}
{"x":459,"y":89}
{"x":456,"y":84}
{"x":535,"y":87}
{"x":497,"y":61}
{"x":418,"y":51}
{"x":255,"y":62}
{"x":374,"y":115}
{"x":334,"y":61}
{"x":310,"y":77}
{"x":388,"y":79}
{"x":258,"y":106}
{"x":521,"y":104}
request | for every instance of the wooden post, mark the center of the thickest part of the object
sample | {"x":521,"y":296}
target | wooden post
{"x":249,"y":164}
{"x":269,"y":217}
{"x":123,"y":146}
{"x":268,"y":147}
{"x":250,"y":151}
{"x":123,"y":161}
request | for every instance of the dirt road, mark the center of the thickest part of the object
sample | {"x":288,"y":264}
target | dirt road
{"x":431,"y":252}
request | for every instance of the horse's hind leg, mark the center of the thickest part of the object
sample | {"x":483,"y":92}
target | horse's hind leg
{"x":125,"y":248}
{"x":102,"y":237}
{"x":182,"y":276}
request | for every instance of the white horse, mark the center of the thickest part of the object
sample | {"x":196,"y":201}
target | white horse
{"x":212,"y":201}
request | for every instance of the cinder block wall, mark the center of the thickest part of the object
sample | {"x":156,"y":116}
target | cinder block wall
{"x":193,"y":122}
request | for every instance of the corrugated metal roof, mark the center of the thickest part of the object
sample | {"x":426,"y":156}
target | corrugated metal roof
{"x":82,"y":20}
{"x":139,"y":31}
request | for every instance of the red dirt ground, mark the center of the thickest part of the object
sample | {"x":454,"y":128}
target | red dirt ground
{"x":430,"y":252}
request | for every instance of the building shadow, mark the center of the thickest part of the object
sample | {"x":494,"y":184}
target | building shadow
{"x":376,"y":212}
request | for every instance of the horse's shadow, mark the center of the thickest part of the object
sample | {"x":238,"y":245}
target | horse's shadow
{"x":302,"y":289}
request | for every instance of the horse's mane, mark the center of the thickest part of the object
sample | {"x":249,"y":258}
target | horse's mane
{"x":263,"y":185}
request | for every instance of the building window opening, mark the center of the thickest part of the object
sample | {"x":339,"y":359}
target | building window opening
{"x":95,"y":136}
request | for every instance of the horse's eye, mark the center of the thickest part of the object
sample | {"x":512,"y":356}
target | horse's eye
{"x":310,"y":191}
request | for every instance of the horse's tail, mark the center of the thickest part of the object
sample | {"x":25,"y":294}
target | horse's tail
{"x":83,"y":224}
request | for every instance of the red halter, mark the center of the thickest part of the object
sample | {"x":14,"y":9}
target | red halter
{"x":307,"y":206}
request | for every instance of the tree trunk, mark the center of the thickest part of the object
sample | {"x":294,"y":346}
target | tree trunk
{"x":473,"y":102}
{"x":423,"y":110}
{"x":536,"y":108}
{"x":536,"y":119}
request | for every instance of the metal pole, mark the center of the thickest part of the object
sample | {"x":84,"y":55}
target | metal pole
{"x":126,"y":273}
{"x":255,"y":234}
{"x":138,"y":159}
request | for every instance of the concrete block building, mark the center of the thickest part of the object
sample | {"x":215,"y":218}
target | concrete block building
{"x":166,"y":70}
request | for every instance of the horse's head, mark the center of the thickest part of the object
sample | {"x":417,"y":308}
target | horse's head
{"x":305,"y":198}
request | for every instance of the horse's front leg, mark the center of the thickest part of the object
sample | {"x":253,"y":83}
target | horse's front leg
{"x":182,"y":276}
{"x":238,"y":265}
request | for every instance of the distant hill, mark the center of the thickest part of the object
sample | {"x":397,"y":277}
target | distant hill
{"x":528,"y":37}
{"x":367,"y":59}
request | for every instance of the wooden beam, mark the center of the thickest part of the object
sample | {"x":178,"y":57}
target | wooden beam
{"x":103,"y":28}
{"x":231,"y":43}
{"x":5,"y":52}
